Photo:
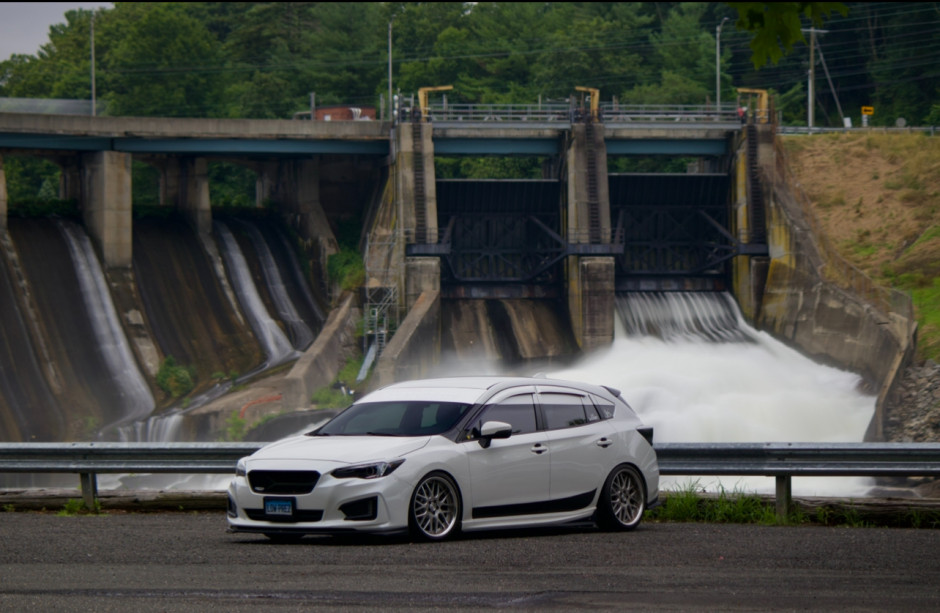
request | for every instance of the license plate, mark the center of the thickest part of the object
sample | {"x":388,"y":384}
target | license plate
{"x":281,"y":507}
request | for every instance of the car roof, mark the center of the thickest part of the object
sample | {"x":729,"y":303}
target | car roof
{"x":468,"y":389}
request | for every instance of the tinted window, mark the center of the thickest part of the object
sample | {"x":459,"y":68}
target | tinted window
{"x":604,"y":407}
{"x":562,"y":410}
{"x":405,"y":418}
{"x":518,"y":411}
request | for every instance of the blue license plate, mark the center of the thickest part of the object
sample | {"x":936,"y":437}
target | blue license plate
{"x":281,"y":507}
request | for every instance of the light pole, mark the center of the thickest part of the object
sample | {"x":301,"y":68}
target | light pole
{"x":93,"y":92}
{"x":718,"y":64}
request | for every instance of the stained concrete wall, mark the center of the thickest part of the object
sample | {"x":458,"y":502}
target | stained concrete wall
{"x":294,"y":187}
{"x":320,"y":364}
{"x":824,"y":321}
{"x":591,"y":289}
{"x":416,"y":346}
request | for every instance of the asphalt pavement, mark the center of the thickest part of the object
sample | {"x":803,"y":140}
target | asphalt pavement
{"x":186,"y":561}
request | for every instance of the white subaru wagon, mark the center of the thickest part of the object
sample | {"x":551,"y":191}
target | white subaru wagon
{"x":438,"y":456}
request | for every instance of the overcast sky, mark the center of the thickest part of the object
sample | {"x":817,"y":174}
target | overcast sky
{"x":24,"y":26}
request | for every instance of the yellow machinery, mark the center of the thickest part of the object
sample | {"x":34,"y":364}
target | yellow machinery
{"x":595,"y":95}
{"x":423,"y":98}
{"x":762,"y":111}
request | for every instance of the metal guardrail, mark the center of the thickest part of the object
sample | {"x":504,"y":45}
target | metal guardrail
{"x":780,"y":460}
{"x":564,"y":113}
{"x":929,"y":130}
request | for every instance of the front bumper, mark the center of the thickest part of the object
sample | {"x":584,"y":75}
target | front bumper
{"x":332,"y":506}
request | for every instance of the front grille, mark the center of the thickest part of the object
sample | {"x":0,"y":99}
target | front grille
{"x":283,"y":482}
{"x":299,"y":516}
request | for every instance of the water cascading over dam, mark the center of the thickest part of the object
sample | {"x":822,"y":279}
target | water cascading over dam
{"x":696,"y":372}
{"x":67,"y":370}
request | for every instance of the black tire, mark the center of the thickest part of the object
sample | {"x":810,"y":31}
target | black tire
{"x":623,"y":499}
{"x":435,"y":509}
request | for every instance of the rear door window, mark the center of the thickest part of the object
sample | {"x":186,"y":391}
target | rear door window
{"x":564,"y":410}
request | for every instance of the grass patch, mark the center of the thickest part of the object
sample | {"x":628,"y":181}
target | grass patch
{"x":346,"y":269}
{"x":76,"y":506}
{"x":339,"y":394}
{"x":689,"y":504}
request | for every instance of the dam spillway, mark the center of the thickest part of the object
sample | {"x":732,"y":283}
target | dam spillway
{"x":727,"y":388}
{"x":74,"y":364}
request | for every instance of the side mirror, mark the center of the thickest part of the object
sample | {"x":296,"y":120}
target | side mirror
{"x":494,"y":429}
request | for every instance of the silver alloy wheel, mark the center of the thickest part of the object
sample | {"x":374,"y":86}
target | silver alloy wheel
{"x":435,"y":507}
{"x":624,"y":497}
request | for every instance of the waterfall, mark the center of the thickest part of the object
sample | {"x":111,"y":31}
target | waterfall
{"x":137,"y":400}
{"x":672,"y":316}
{"x":300,"y":332}
{"x":275,"y":344}
{"x":698,"y":387}
{"x":156,"y":429}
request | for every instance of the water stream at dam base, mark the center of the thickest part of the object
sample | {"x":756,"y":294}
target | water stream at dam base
{"x":753,"y":389}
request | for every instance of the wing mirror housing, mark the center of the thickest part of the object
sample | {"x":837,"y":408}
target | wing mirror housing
{"x":494,"y":429}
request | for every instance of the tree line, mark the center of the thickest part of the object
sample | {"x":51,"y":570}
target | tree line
{"x":263,"y":60}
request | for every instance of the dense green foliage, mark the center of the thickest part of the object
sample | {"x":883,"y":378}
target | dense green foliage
{"x":264,"y":60}
{"x":174,"y":379}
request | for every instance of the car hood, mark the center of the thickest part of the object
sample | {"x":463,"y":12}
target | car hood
{"x":345,"y":449}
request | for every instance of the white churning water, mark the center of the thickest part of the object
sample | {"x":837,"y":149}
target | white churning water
{"x":697,"y":387}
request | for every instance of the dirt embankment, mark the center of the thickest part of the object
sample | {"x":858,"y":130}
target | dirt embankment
{"x":877,"y":198}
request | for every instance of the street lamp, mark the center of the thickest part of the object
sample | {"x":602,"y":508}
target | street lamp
{"x":718,"y":64}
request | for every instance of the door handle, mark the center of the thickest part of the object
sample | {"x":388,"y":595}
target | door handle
{"x":604,"y":442}
{"x":538,"y":448}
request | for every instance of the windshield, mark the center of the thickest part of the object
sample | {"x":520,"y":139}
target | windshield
{"x":398,"y":418}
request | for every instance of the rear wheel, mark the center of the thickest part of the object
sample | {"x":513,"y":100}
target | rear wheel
{"x":623,"y":499}
{"x":434,"y":513}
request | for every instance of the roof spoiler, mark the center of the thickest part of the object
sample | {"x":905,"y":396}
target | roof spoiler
{"x":612,"y":390}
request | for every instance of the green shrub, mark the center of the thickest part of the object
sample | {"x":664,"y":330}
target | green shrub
{"x":174,"y":379}
{"x":346,"y":269}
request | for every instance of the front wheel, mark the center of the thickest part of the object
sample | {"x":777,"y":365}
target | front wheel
{"x":622,"y":500}
{"x":434,"y":513}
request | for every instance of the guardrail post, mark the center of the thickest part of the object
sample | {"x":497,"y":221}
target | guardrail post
{"x":89,"y":483}
{"x":784,"y":496}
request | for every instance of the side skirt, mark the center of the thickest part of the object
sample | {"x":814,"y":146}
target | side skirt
{"x":562,"y":505}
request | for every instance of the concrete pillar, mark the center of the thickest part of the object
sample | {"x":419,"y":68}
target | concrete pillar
{"x":416,"y":160}
{"x":265,"y":182}
{"x":591,"y":289}
{"x":70,"y":178}
{"x":194,"y":193}
{"x":106,"y":206}
{"x":3,"y":197}
{"x":590,"y":279}
{"x":582,"y":148}
{"x":421,"y":275}
{"x":170,"y":181}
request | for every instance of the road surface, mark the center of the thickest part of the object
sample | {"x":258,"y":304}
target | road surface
{"x":187,"y":562}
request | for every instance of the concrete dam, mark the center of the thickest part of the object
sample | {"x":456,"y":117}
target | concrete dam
{"x":506,"y":271}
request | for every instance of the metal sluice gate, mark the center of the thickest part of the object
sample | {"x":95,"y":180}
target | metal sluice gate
{"x":670,"y":231}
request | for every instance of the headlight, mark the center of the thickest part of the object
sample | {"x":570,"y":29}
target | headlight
{"x":240,"y":470}
{"x":367,"y":471}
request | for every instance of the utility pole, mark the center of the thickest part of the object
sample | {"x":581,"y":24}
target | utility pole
{"x":390,"y":106}
{"x":811,"y":94}
{"x":93,"y":93}
{"x":718,"y":64}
